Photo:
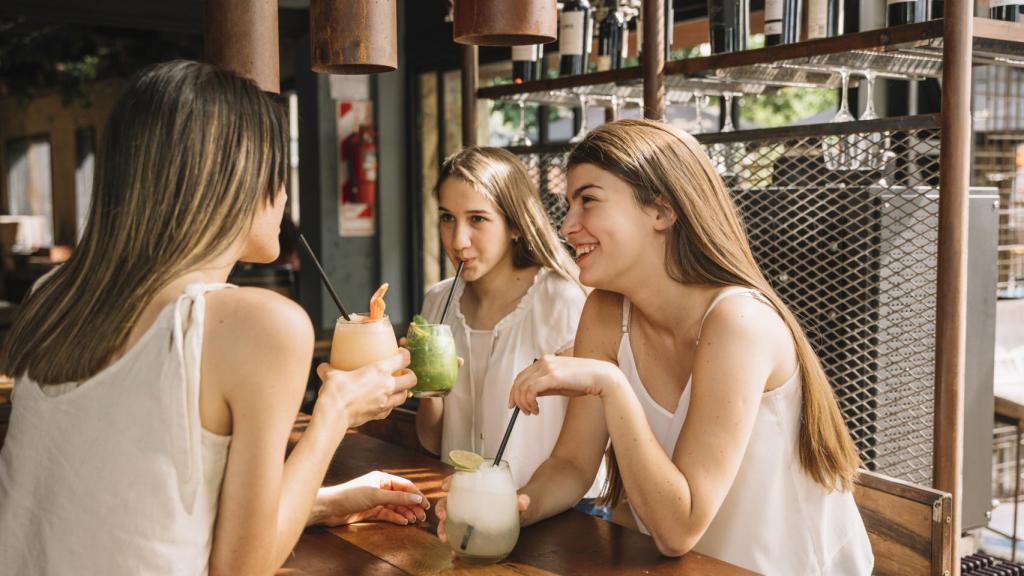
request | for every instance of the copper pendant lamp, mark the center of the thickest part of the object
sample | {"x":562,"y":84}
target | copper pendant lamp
{"x":353,"y":36}
{"x":505,"y":22}
{"x":241,"y":36}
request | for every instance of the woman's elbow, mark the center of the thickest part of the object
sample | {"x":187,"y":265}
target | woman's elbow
{"x":673,"y":545}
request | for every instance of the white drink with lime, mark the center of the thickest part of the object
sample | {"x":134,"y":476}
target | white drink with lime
{"x":482,"y":519}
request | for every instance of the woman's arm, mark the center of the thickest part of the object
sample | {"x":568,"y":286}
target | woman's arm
{"x":429,"y":420}
{"x":564,"y":478}
{"x":678,"y":497}
{"x":257,"y":352}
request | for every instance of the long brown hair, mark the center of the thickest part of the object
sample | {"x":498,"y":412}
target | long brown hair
{"x":667,"y":168}
{"x":502,"y":178}
{"x":188,"y":155}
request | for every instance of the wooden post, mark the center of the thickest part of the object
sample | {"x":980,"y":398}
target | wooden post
{"x":241,"y":36}
{"x":951,"y":314}
{"x":470,"y":69}
{"x":654,"y":58}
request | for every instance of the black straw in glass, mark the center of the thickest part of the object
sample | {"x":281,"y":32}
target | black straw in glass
{"x":508,"y":432}
{"x":451,"y":292}
{"x":323,"y":276}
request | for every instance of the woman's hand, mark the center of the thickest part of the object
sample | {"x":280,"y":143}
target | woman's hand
{"x":370,"y":393}
{"x":523,"y":501}
{"x":561,"y":376}
{"x":376,"y":496}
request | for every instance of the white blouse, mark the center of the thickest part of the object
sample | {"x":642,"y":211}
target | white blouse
{"x":475,"y":411}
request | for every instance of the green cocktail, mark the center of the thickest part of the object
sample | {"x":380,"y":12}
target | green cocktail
{"x":433,"y":358}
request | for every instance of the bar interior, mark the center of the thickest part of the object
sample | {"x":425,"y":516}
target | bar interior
{"x":871,"y":152}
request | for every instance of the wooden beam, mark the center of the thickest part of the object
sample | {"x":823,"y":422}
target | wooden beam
{"x":951,"y":305}
{"x":653,"y":58}
{"x":470,"y":74}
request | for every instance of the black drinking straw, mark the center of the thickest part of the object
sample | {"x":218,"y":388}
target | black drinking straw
{"x":497,"y":460}
{"x":323,"y":276}
{"x":451,"y":292}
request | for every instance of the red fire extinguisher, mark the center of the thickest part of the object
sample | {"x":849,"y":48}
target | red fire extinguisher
{"x":360,"y":154}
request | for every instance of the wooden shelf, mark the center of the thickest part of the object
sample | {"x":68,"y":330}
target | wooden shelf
{"x":909,"y":52}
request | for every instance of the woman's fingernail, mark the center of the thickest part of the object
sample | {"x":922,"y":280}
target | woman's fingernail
{"x":417,"y":498}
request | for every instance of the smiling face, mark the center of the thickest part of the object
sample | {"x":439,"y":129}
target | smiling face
{"x":616,"y":239}
{"x":473,"y":230}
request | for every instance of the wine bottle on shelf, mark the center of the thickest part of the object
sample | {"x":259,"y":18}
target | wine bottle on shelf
{"x":824,"y":18}
{"x":936,"y":9}
{"x":573,"y":44}
{"x":1009,"y":10}
{"x":611,"y":34}
{"x":903,"y":12}
{"x":526,"y":63}
{"x":729,"y":22}
{"x":781,"y":22}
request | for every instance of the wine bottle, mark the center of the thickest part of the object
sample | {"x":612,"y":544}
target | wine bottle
{"x":903,"y":12}
{"x":936,"y":9}
{"x":824,"y":18}
{"x":573,"y":45}
{"x":1009,"y":10}
{"x":781,"y":22}
{"x":729,"y":22}
{"x":610,"y":37}
{"x":526,"y":63}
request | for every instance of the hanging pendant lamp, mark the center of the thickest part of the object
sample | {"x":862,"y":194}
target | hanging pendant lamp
{"x":505,"y":22}
{"x":241,"y":36}
{"x":353,"y":36}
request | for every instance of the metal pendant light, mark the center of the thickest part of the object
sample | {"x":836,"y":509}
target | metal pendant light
{"x":353,"y":36}
{"x":241,"y":36}
{"x":505,"y":22}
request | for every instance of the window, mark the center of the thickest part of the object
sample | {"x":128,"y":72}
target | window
{"x":30,"y":192}
{"x":85,"y":163}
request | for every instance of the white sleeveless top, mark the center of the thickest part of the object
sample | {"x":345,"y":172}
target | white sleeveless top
{"x":775,"y":518}
{"x":116,"y":475}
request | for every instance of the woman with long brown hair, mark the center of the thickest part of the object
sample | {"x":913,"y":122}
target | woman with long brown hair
{"x":519,"y":299}
{"x":725,"y":435}
{"x":153,"y":402}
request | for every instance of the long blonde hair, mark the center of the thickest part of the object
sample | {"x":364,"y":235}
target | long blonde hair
{"x":188,"y":155}
{"x":667,"y":168}
{"x":501,"y":178}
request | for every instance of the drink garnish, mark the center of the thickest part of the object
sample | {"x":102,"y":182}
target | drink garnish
{"x":465,"y":460}
{"x":377,"y":304}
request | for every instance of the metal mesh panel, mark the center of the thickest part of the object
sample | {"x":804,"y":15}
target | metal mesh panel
{"x":843,"y":220}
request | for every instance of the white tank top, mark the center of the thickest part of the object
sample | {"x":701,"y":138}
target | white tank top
{"x":116,"y":475}
{"x":775,"y":518}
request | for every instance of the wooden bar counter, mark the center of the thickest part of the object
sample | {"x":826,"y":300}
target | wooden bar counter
{"x":570,"y":543}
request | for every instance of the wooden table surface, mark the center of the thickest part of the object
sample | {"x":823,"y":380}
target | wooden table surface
{"x":570,"y":543}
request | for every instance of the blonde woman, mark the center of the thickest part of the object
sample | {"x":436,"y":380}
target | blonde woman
{"x":518,"y":300}
{"x":153,"y":402}
{"x":725,"y":434}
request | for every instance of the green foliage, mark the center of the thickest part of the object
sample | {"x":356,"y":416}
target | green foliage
{"x":786,"y":106}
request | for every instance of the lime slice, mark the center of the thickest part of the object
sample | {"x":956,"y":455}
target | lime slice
{"x":465,"y":460}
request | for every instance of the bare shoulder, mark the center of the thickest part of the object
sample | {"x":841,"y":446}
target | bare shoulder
{"x":600,"y":327}
{"x":753,"y":327}
{"x":254,"y":321}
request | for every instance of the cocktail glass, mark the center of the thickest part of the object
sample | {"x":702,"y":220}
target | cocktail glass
{"x":361,"y":341}
{"x":482,"y":519}
{"x":433,"y":358}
